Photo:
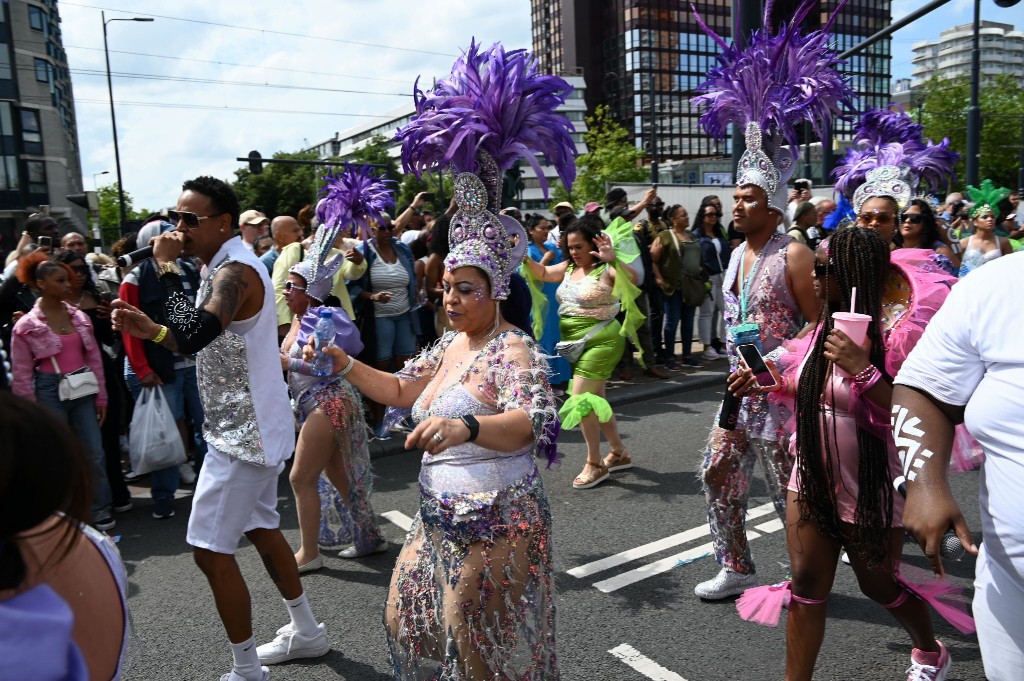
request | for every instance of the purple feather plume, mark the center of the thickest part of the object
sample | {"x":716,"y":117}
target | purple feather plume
{"x":891,"y":138}
{"x":777,"y":81}
{"x":352,"y":199}
{"x":497,"y":102}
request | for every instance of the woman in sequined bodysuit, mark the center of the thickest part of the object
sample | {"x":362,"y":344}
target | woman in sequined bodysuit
{"x":331,"y":476}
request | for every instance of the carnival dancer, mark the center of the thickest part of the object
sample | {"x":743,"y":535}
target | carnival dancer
{"x":471,"y":596}
{"x":248,"y":428}
{"x":594,"y":283}
{"x":984,"y":245}
{"x":333,"y":440}
{"x":775,"y":83}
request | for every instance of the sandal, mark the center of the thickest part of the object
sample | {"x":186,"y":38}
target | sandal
{"x":618,"y":461}
{"x":599,"y":475}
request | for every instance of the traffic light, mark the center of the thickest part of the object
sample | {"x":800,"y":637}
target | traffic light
{"x":1007,"y":3}
{"x":255,"y":162}
{"x":86,"y":200}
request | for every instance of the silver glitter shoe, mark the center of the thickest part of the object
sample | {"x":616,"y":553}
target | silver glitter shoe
{"x":726,"y":583}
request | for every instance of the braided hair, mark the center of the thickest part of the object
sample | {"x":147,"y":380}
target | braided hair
{"x":857,"y":257}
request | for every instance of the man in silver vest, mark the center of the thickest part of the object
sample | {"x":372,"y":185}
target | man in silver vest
{"x":232,"y":330}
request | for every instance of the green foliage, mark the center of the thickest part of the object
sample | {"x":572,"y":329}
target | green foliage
{"x":281,"y":189}
{"x":611,"y":157}
{"x":944,"y":114}
{"x":376,"y":153}
{"x":110,"y":212}
{"x":411,"y":186}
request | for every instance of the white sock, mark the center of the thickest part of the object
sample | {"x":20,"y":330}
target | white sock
{"x":246,"y":662}
{"x":303,"y":620}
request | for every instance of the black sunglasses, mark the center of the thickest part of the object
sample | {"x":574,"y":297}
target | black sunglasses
{"x":712,"y":215}
{"x":191,"y":220}
{"x":912,"y":218}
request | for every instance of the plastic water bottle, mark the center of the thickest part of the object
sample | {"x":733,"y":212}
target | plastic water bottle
{"x":324,"y":331}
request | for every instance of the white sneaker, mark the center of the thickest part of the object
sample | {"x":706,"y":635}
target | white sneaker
{"x":186,"y":473}
{"x":709,"y":355}
{"x":922,"y":672}
{"x":726,"y":583}
{"x":289,"y":645}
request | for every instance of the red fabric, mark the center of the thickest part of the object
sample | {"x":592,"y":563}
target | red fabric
{"x":134,"y":347}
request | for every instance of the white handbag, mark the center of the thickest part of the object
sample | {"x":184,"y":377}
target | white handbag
{"x":80,"y":383}
{"x":571,"y":351}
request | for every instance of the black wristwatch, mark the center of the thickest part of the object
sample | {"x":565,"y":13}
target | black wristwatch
{"x":472,"y":424}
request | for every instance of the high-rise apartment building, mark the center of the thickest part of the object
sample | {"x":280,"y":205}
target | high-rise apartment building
{"x":1002,"y":52}
{"x":646,"y":58}
{"x":39,"y":155}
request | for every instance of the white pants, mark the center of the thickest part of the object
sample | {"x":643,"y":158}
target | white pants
{"x":999,"y":614}
{"x":711,"y":324}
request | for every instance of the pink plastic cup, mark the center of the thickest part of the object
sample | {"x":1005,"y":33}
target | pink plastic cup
{"x":854,"y":325}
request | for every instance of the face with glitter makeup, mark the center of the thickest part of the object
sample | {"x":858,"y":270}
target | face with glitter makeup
{"x":467,"y":300}
{"x":750,"y":212}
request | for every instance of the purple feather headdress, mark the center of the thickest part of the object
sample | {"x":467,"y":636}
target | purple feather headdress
{"x":893,"y":159}
{"x":494,"y":101}
{"x":770,"y":87}
{"x":349,"y":202}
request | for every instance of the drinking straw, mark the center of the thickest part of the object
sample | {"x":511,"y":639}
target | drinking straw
{"x":853,"y":299}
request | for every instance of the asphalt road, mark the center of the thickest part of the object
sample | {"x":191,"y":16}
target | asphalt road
{"x":629,"y":618}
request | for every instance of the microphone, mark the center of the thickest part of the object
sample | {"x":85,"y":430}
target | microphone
{"x":135,"y":257}
{"x":951,"y":547}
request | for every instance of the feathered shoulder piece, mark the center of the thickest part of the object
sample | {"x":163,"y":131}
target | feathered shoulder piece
{"x":769,"y":88}
{"x":350,"y":201}
{"x":892,"y":158}
{"x":987,"y":197}
{"x":494,"y":101}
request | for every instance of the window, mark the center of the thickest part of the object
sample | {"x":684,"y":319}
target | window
{"x":36,"y":177}
{"x":30,"y":133}
{"x":42,"y":71}
{"x":36,"y":18}
{"x":8,"y":173}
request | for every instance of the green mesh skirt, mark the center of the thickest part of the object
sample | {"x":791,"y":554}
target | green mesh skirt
{"x":602,"y":352}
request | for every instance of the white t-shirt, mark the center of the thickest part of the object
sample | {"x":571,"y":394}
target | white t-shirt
{"x":970,"y":354}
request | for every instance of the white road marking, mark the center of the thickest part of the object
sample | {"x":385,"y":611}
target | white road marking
{"x":643,"y":664}
{"x":666,"y":564}
{"x":399,"y":518}
{"x":658,"y":546}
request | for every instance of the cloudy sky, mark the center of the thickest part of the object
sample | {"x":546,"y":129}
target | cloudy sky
{"x":207,"y":82}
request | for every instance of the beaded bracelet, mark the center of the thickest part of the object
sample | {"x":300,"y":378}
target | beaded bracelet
{"x":866,"y":375}
{"x":348,"y":367}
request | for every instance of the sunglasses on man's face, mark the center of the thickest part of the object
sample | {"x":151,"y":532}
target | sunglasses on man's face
{"x":912,"y":218}
{"x":289,"y":287}
{"x":191,"y":220}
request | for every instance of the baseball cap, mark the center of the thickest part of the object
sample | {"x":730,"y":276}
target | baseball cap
{"x":614,"y":196}
{"x":563,"y":204}
{"x":592,"y":207}
{"x":252,"y":217}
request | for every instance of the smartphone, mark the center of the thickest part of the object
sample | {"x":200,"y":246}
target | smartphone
{"x":429,"y":196}
{"x":755,"y":362}
{"x":44,"y":241}
{"x":800,"y":186}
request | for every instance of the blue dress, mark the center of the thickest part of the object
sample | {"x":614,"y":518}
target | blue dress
{"x":560,"y":370}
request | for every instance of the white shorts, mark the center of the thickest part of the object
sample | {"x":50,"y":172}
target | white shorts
{"x":232,"y":497}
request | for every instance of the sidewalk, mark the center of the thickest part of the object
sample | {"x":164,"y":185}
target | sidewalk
{"x":637,"y":389}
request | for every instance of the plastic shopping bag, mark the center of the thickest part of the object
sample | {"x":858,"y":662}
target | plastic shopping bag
{"x":154,"y":442}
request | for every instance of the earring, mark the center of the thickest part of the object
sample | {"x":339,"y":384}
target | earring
{"x":497,"y":317}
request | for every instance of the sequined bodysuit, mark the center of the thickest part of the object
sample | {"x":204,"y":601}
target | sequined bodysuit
{"x":586,"y":297}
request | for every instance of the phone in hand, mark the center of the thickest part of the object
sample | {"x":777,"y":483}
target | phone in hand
{"x":751,"y":356}
{"x":428,"y":196}
{"x":44,"y":242}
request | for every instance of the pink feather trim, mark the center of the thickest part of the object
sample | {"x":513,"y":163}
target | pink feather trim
{"x":944,"y":597}
{"x":764,"y":604}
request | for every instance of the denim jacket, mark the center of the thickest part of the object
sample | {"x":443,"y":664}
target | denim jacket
{"x":33,"y":342}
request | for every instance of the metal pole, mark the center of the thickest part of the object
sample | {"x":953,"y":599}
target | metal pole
{"x":807,"y":151}
{"x":827,"y":159}
{"x":653,"y":138}
{"x":974,"y":110}
{"x":113,"y":124}
{"x":889,"y":30}
{"x":746,"y":15}
{"x":1020,"y":168}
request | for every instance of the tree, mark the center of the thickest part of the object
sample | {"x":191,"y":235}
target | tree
{"x":944,"y":114}
{"x":377,"y":152}
{"x":281,"y":189}
{"x":611,"y":157}
{"x":412,"y":185}
{"x":110,"y":212}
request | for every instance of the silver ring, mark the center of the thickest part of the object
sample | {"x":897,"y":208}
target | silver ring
{"x":438,"y":438}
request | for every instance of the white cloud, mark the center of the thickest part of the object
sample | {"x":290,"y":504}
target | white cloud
{"x":161,"y":147}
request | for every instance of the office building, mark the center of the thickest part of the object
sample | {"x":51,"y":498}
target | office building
{"x":1002,"y":52}
{"x":646,"y":58}
{"x":343,"y":145}
{"x":39,"y":154}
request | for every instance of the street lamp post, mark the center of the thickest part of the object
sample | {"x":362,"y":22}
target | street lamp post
{"x":974,"y":110}
{"x":95,"y":175}
{"x":113,"y":119}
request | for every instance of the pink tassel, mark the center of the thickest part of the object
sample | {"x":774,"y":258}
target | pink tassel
{"x":764,"y":604}
{"x":967,"y":452}
{"x":942,"y":596}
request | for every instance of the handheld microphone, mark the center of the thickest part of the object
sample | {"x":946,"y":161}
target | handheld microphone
{"x":951,"y":547}
{"x":135,"y":257}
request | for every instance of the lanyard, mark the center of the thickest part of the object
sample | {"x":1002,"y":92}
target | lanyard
{"x":745,"y":282}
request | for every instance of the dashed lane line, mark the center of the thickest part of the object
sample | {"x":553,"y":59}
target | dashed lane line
{"x":643,"y":664}
{"x":399,"y":518}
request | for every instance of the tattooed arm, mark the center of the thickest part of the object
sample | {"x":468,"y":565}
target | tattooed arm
{"x":193,"y":328}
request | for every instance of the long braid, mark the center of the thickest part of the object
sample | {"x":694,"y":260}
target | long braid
{"x":857,"y":257}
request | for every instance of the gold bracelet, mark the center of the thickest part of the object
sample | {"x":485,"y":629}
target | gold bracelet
{"x":160,"y":336}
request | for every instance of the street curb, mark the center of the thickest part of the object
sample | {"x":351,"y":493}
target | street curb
{"x":617,"y":396}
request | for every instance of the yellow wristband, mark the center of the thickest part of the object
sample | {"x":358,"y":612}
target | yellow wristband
{"x":160,"y":336}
